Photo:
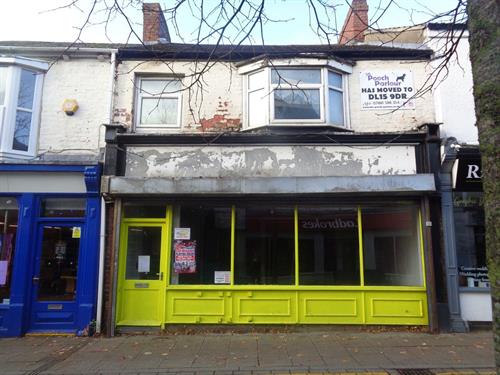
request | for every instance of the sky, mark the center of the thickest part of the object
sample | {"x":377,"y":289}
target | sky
{"x":50,"y":20}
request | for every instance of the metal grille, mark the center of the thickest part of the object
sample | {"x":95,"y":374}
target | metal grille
{"x":414,"y":371}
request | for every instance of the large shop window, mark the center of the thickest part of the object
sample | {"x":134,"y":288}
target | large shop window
{"x":9,"y":214}
{"x":470,"y":239}
{"x":201,"y":245}
{"x":391,"y":247}
{"x":264,"y":251}
{"x":328,"y":246}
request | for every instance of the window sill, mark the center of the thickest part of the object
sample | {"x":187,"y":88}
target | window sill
{"x":297,"y":126}
{"x":465,"y":289}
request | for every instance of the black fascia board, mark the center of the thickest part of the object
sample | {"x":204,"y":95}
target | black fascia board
{"x":298,"y":138}
{"x":240,"y":53}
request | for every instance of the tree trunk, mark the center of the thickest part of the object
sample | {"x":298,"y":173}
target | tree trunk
{"x":484,"y":17}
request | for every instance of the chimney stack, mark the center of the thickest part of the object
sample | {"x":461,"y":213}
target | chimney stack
{"x":356,"y":23}
{"x":154,"y":29}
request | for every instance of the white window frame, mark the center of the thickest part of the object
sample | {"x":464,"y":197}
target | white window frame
{"x":301,"y":64}
{"x":9,"y":108}
{"x":299,"y":86}
{"x":139,"y":95}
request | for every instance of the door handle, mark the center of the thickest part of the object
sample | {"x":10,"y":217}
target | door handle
{"x":36,"y":279}
{"x":160,"y":274}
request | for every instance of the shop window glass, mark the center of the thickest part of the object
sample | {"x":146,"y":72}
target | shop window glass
{"x":143,"y":253}
{"x":265,"y":252}
{"x":470,"y":240}
{"x":201,"y":245}
{"x":391,"y":247}
{"x":63,"y":207}
{"x":328,"y":246}
{"x":146,"y":210}
{"x":9,"y":213}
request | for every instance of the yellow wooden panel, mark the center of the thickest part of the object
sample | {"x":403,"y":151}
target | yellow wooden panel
{"x":330,"y":307}
{"x":264,"y":307}
{"x":396,"y":308}
{"x":196,"y":306}
{"x":139,"y":308}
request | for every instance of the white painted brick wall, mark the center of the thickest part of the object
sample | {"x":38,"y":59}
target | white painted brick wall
{"x":87,"y":81}
{"x":388,"y":120}
{"x":222,"y":84}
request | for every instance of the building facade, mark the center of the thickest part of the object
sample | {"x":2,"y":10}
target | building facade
{"x":292,"y":188}
{"x":52,"y":100}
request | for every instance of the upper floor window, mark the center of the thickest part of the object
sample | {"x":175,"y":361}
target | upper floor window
{"x":20,"y":98}
{"x":296,"y":96}
{"x":158,"y":103}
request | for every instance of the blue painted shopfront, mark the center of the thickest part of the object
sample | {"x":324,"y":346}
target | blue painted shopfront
{"x":49,"y":265}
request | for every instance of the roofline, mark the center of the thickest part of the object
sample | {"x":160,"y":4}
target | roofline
{"x":51,"y":51}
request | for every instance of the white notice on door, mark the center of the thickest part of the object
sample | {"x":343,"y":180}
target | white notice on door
{"x":143,"y":263}
{"x":222,"y":277}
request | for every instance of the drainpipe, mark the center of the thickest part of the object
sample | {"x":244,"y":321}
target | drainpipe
{"x":102,"y":231}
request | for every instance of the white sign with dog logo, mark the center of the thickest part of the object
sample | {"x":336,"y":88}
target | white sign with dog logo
{"x":387,"y":89}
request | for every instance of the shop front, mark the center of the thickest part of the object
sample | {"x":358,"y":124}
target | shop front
{"x":248,"y":261}
{"x":251,"y":229}
{"x":49,"y":243}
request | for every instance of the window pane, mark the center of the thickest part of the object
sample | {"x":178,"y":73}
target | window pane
{"x":9,"y":213}
{"x":201,"y":245}
{"x":143,"y":253}
{"x":257,"y":108}
{"x":3,"y":82}
{"x":334,"y":79}
{"x":264,"y":252}
{"x":144,"y":210}
{"x":22,"y":131}
{"x":295,"y":76}
{"x":336,"y":105}
{"x":58,"y":264}
{"x":328,"y":246}
{"x":26,"y":89}
{"x":257,"y":80}
{"x":391,"y":246}
{"x":470,"y":239}
{"x":296,"y":104}
{"x":158,"y":87}
{"x":159,"y":111}
{"x":63,"y":207}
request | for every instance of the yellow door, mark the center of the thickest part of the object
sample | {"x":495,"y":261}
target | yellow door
{"x":141,"y":274}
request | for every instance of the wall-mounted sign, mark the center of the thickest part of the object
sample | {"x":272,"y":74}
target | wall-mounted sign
{"x":184,"y":256}
{"x":467,"y":173}
{"x":76,"y":232}
{"x":386,"y":89}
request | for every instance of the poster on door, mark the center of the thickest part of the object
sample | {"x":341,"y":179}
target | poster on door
{"x":184,"y":256}
{"x":386,"y":89}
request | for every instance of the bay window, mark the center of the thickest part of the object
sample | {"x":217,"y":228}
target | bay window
{"x":20,"y":99}
{"x":291,"y":96}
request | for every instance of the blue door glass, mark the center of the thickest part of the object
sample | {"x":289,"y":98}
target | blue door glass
{"x":54,"y":301}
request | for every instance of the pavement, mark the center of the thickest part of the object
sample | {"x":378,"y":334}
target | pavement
{"x":317,"y":352}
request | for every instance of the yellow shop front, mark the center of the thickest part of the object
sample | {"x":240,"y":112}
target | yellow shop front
{"x":234,"y":261}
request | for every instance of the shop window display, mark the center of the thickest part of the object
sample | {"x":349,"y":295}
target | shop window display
{"x":391,"y":247}
{"x":470,"y":239}
{"x":9,"y":214}
{"x":201,"y":245}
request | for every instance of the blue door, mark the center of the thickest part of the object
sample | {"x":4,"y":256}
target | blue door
{"x":54,"y":298}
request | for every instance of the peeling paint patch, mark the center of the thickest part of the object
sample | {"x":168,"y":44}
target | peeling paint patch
{"x":220,"y":121}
